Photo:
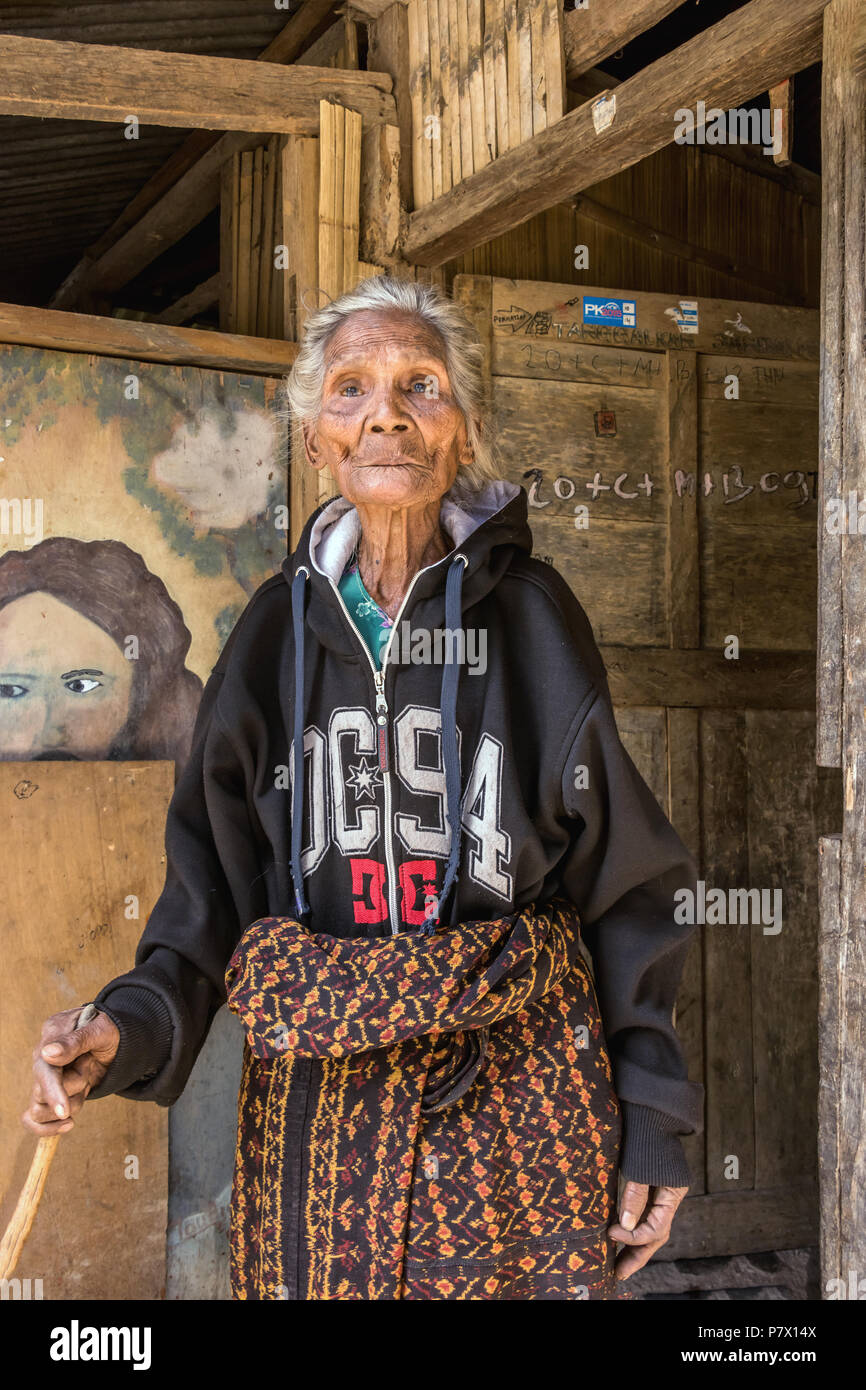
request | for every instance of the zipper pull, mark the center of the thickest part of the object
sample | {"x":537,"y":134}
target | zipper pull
{"x":381,"y":720}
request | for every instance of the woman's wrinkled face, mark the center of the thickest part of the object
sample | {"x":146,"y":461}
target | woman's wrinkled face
{"x":65,"y":684}
{"x":389,"y":430}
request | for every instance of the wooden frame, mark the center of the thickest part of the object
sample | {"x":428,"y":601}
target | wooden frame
{"x":145,"y":342}
{"x":841,"y":741}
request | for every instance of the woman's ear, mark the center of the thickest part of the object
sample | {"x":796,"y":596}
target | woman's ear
{"x":467,"y":454}
{"x":311,"y":446}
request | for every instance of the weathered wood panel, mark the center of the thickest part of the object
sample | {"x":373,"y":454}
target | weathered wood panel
{"x":784,"y":864}
{"x":724,"y":864}
{"x":99,"y":1232}
{"x":594,"y":565}
{"x":705,"y":679}
{"x":556,"y":315}
{"x":758,"y":584}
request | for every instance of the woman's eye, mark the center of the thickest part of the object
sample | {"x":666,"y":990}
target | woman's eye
{"x":9,"y":691}
{"x":81,"y":685}
{"x":348,"y":388}
{"x":421,"y":382}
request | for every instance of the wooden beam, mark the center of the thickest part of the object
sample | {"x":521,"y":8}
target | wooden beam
{"x":192,"y":303}
{"x":305,"y":25}
{"x":380,"y":194}
{"x":180,"y":209}
{"x":144,"y":342}
{"x":701,"y":678}
{"x":593,"y":33}
{"x":797,"y":179}
{"x":842,"y":596}
{"x":842,"y":439}
{"x":95,"y":82}
{"x":300,"y":232}
{"x":736,"y":1223}
{"x":782,"y":100}
{"x":375,"y":9}
{"x":832,"y":1028}
{"x":388,"y":51}
{"x":745,"y":53}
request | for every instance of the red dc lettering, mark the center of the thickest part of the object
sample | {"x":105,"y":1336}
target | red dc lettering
{"x":410,"y":872}
{"x":368,"y":882}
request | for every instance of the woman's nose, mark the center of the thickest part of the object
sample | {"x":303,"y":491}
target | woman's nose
{"x":387,"y":413}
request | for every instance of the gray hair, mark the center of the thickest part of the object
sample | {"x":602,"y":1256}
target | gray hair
{"x":463,"y":356}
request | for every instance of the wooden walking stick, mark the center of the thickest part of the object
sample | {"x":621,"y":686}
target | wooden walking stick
{"x":25,"y":1209}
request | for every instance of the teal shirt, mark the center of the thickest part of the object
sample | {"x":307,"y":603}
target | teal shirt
{"x":371,"y":621}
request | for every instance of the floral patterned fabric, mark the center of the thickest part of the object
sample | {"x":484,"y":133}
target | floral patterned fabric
{"x":423,"y":1117}
{"x":371,"y":621}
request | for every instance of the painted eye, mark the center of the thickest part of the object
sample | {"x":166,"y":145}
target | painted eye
{"x":81,"y":685}
{"x":10,"y":691}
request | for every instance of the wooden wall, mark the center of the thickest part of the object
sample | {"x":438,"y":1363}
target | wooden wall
{"x":701,"y":527}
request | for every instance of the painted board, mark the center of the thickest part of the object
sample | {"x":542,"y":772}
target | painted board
{"x":80,"y":852}
{"x":141,"y":504}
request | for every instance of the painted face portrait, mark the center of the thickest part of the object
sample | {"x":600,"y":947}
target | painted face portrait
{"x":65,"y":684}
{"x":92,"y":656}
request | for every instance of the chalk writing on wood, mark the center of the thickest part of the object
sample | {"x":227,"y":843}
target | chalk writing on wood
{"x":544,"y":488}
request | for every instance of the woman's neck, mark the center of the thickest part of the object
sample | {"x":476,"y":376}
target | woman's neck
{"x":394,"y":546}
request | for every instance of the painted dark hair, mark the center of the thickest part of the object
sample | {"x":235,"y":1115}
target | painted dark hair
{"x":111,"y":585}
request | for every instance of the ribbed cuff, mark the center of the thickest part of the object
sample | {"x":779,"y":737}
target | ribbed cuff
{"x":651,"y":1150}
{"x":145,"y":1028}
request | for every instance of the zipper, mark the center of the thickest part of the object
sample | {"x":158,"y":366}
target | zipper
{"x":383,"y":727}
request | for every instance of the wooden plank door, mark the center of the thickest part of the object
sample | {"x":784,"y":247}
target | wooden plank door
{"x":82,"y":864}
{"x":669,"y":449}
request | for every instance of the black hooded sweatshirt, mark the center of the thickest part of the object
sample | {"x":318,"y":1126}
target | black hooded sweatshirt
{"x":516,"y":745}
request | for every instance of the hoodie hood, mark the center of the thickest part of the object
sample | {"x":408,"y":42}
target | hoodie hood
{"x":336,"y":527}
{"x":487,"y":529}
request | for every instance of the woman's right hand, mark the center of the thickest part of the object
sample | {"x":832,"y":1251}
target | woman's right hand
{"x":67,"y":1063}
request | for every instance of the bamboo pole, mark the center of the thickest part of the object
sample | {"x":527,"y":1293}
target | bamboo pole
{"x":26,"y":1207}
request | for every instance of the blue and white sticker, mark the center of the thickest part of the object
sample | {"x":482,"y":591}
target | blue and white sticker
{"x":596,"y":309}
{"x":685,"y":315}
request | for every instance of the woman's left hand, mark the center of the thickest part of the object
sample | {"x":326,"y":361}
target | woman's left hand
{"x":643,"y":1226}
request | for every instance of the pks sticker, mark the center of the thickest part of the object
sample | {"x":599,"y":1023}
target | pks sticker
{"x":596,"y":309}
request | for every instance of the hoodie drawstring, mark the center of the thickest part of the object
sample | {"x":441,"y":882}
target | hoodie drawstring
{"x":298,"y":591}
{"x":450,"y":750}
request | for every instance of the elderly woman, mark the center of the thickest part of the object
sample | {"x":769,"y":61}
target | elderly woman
{"x":407,"y":829}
